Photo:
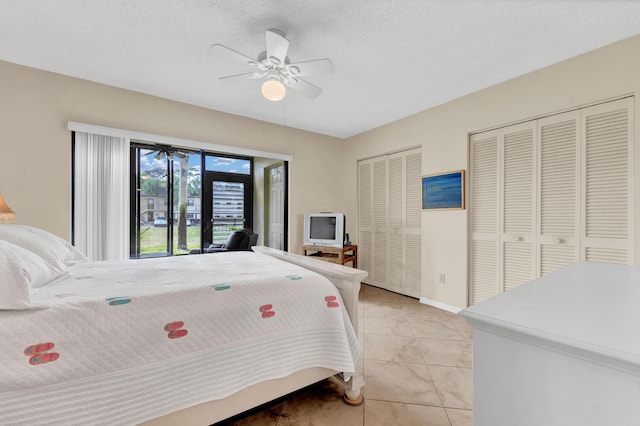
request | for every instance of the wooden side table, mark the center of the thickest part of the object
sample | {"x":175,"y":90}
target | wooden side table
{"x":339,"y":255}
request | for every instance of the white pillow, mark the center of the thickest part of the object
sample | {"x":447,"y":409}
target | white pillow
{"x":20,"y":270}
{"x":56,"y":251}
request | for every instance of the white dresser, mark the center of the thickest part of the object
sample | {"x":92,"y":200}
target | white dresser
{"x":562,"y":350}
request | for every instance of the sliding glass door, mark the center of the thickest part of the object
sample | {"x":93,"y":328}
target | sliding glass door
{"x":183,"y":201}
{"x":165,"y":201}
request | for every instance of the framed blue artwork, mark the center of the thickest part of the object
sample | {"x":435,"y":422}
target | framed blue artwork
{"x":443,"y":191}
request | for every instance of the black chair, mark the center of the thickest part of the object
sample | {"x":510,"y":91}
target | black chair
{"x":241,"y":240}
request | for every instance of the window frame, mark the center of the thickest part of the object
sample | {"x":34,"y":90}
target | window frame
{"x":135,"y":193}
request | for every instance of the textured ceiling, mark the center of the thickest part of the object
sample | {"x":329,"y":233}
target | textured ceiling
{"x":392,"y":58}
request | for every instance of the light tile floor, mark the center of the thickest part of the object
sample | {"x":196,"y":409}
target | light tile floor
{"x":417,"y":371}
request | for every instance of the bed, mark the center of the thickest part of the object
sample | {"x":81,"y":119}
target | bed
{"x":180,"y":340}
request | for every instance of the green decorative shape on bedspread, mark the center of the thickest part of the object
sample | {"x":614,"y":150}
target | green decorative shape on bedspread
{"x":221,"y":287}
{"x":121,"y":300}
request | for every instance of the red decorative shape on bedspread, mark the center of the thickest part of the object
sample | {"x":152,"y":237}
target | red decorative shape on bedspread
{"x":177,"y":333}
{"x":173,"y":326}
{"x":63,"y":295}
{"x":175,"y":330}
{"x":38,"y":353}
{"x":331,"y":301}
{"x":38,"y":348}
{"x":265,"y":308}
{"x":44,"y":358}
{"x":267,"y":311}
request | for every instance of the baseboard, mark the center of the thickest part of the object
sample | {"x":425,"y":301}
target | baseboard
{"x":440,"y":305}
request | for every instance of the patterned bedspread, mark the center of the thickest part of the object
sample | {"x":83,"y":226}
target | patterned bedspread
{"x":126,"y":341}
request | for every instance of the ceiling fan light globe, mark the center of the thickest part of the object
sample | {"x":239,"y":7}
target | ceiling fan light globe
{"x":273,"y":90}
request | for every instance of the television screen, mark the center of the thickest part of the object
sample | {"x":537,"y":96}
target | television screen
{"x":323,"y":227}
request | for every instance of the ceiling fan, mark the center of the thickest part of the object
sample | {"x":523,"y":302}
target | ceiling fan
{"x":163,"y":152}
{"x":274,"y":66}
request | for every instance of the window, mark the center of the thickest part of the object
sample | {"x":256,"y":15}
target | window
{"x":170,"y":213}
{"x":228,"y":195}
{"x":233,"y":165}
{"x":137,"y":215}
{"x":166,"y":178}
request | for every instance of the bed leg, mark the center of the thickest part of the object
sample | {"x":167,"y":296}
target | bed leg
{"x":354,"y":402}
{"x":352,"y":395}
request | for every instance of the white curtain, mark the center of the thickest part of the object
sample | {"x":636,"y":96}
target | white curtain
{"x":101,"y":196}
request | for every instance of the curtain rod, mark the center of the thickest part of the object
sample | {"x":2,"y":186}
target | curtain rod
{"x":173,"y":141}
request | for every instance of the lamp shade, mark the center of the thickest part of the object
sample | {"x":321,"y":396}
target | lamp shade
{"x":6,"y":214}
{"x":273,"y":90}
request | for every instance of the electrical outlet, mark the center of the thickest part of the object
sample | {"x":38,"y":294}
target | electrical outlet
{"x":441,"y":278}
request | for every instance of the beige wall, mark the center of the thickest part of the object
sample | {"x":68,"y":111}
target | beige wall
{"x":443,"y":133}
{"x":35,"y":175}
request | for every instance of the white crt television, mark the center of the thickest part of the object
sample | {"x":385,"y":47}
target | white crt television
{"x":324,"y":229}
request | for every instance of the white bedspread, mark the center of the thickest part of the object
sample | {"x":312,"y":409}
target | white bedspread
{"x":124,"y":342}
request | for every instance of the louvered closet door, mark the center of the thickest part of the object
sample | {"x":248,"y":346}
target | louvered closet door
{"x":558,"y":191}
{"x":413,"y":223}
{"x":395,"y":216}
{"x":365,"y":217}
{"x":484,"y":192}
{"x":380,"y":226}
{"x":389,"y":227}
{"x":518,"y":205}
{"x":606,"y":154}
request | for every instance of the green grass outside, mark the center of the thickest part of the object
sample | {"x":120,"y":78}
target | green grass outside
{"x":154,"y":240}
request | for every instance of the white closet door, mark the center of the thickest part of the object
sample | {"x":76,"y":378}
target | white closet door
{"x":413,"y":223}
{"x":365,"y":217}
{"x":558,"y":191}
{"x":395,"y":221}
{"x":562,"y":187}
{"x":484,"y":190}
{"x":518,"y":205}
{"x":380,"y":204}
{"x":390,"y":215}
{"x":606,"y":154}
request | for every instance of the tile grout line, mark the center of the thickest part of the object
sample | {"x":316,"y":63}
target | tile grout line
{"x":407,"y":316}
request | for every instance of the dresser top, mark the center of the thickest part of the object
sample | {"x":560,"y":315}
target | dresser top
{"x":592,"y":309}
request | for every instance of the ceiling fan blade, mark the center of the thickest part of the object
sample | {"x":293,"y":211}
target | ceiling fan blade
{"x":244,"y":76}
{"x":306,"y":88}
{"x":315,"y":67}
{"x":234,"y":54}
{"x":277,"y":45}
